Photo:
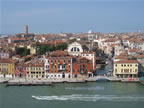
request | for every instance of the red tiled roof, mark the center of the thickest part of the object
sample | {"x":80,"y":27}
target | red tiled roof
{"x":140,"y":56}
{"x":121,"y":57}
{"x":7,"y":61}
{"x":127,"y":61}
{"x":59,"y":53}
{"x":133,"y":50}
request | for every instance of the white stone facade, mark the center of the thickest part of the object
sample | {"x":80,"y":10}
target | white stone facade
{"x":75,"y":49}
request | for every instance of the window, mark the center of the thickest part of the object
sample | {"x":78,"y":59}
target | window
{"x":51,"y":62}
{"x":58,"y":61}
{"x":116,"y":65}
{"x":72,"y":49}
{"x":122,"y":65}
{"x":115,"y":70}
{"x":78,"y":49}
{"x":136,"y":65}
{"x":121,"y":70}
{"x":63,"y":66}
{"x":69,"y":60}
{"x":58,"y":66}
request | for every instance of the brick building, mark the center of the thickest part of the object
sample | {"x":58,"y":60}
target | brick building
{"x":58,"y":64}
{"x":82,"y":67}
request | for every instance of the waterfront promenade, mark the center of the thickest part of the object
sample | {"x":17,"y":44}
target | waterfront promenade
{"x":49,"y":81}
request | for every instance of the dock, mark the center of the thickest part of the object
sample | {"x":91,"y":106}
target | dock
{"x":28,"y":83}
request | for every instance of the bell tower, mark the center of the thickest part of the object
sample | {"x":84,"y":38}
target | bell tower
{"x":26,"y":30}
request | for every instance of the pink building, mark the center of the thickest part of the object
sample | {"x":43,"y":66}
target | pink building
{"x":20,"y":70}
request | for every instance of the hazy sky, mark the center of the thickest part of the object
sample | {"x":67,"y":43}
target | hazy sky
{"x":54,"y":16}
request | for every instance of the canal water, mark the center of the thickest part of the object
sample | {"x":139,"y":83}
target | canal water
{"x":74,"y":95}
{"x":105,"y":69}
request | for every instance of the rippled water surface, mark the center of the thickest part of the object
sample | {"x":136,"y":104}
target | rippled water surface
{"x":70,"y":95}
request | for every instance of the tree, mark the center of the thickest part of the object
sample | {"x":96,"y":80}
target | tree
{"x":22,"y":51}
{"x":42,"y":49}
{"x":61,"y":46}
{"x":72,"y":40}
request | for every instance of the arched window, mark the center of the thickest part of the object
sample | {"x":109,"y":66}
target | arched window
{"x":75,"y":49}
{"x":78,"y":49}
{"x":72,"y":49}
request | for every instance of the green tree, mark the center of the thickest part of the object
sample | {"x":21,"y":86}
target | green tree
{"x":22,"y":51}
{"x":72,"y":40}
{"x":42,"y":49}
{"x":62,"y":46}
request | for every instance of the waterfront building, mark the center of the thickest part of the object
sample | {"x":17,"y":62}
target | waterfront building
{"x":82,"y":67}
{"x":90,"y":56}
{"x":58,"y":64}
{"x":75,"y":49}
{"x":35,"y":70}
{"x":20,"y":70}
{"x":126,"y":68}
{"x":7,"y":68}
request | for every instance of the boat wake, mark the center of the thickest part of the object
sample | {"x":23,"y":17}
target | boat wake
{"x":80,"y":97}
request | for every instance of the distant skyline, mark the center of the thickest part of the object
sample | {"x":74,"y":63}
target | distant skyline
{"x":55,"y":16}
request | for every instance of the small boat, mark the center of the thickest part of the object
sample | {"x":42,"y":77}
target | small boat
{"x":106,"y":62}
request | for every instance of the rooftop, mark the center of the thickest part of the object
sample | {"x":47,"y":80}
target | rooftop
{"x":126,"y":61}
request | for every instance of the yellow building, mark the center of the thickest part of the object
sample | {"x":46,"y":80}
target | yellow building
{"x":7,"y":68}
{"x":32,"y":49}
{"x":35,"y":71}
{"x":126,"y":68}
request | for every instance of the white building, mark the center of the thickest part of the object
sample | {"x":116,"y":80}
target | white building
{"x":91,"y":36}
{"x":75,"y":49}
{"x":90,"y":56}
{"x":136,"y":45}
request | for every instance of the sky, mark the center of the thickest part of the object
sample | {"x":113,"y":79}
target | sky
{"x":56,"y":16}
